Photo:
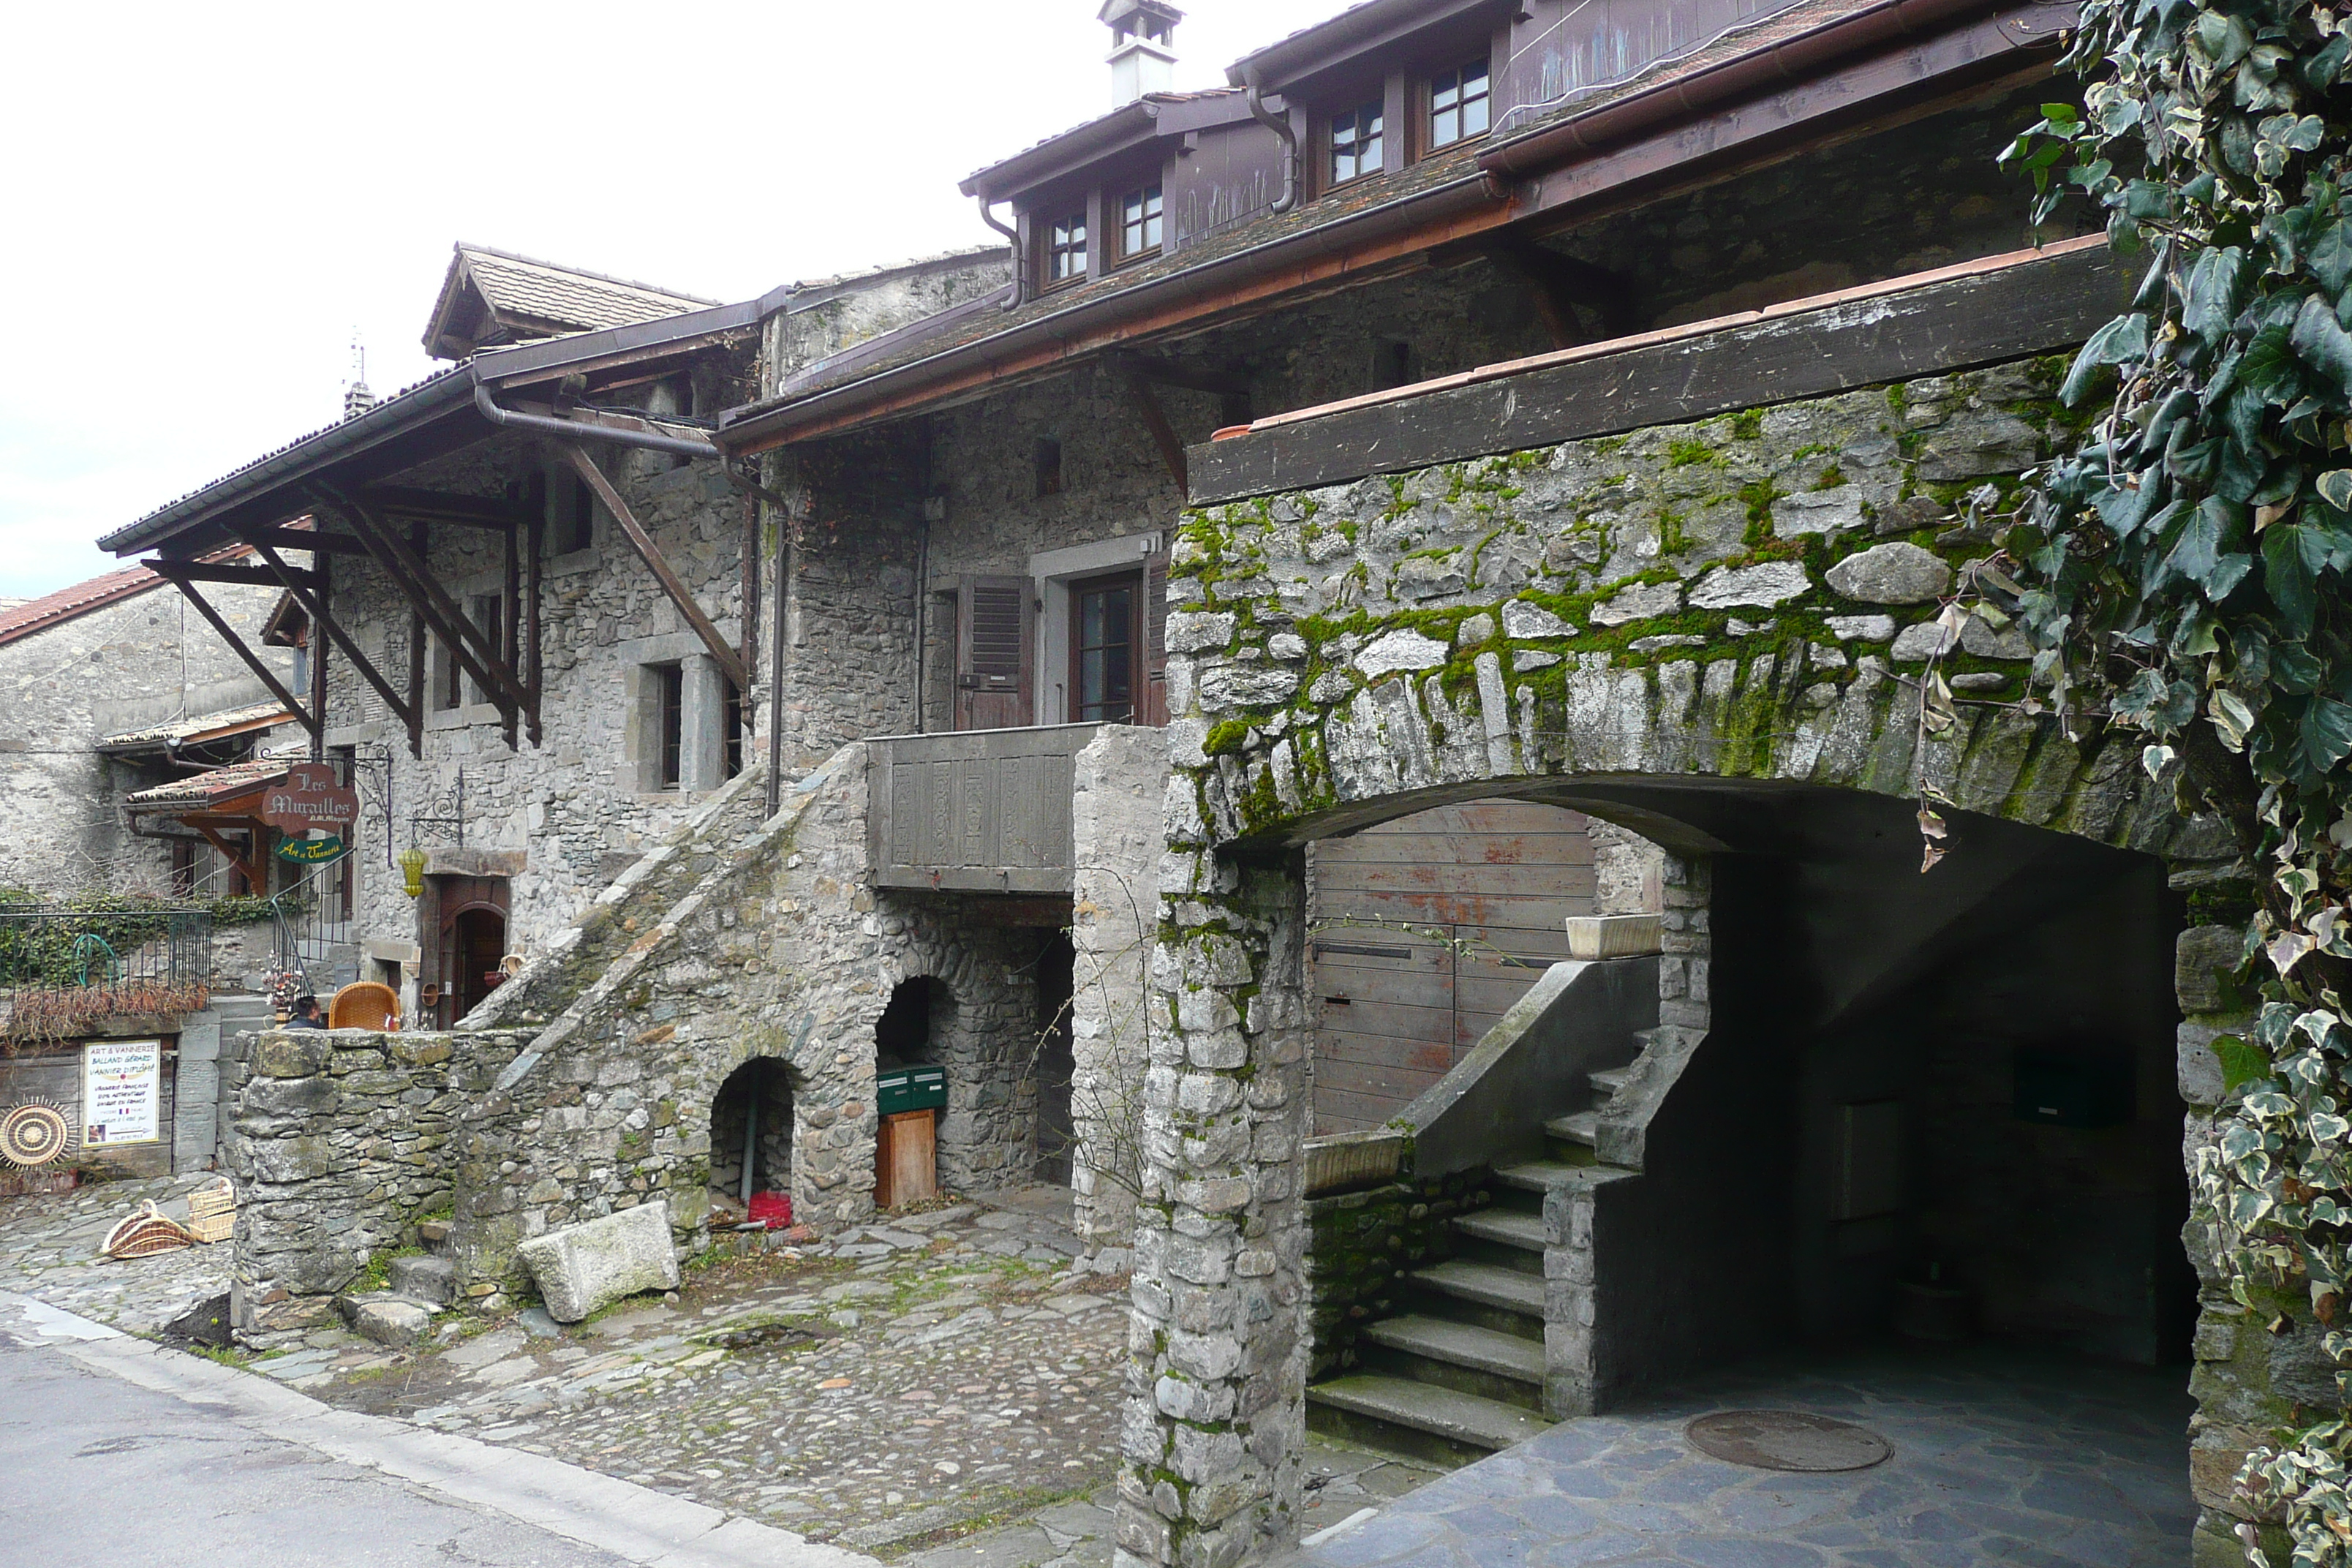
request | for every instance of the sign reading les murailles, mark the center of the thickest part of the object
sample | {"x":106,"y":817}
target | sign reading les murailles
{"x":310,"y":797}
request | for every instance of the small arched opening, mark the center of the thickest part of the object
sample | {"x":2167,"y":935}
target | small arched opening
{"x":911,"y":1092}
{"x":752,"y":1141}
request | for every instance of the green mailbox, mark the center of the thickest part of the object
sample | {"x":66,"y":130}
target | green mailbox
{"x":897,"y":1089}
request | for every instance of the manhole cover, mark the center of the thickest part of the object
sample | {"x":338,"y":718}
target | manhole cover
{"x":1786,"y":1440}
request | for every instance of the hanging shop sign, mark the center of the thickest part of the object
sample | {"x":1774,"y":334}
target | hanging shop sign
{"x":121,"y":1092}
{"x":312,"y":851}
{"x":310,"y":797}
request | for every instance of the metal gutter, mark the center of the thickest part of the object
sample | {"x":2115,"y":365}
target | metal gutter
{"x":502,"y":365}
{"x":576,"y":429}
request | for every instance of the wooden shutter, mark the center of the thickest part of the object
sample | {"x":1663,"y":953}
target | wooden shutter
{"x":994,"y":660}
{"x":1152,"y":706}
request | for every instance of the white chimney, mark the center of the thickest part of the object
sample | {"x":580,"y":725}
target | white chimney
{"x":1142,"y":47}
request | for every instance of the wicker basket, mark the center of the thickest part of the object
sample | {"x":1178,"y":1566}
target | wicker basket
{"x":212,"y":1212}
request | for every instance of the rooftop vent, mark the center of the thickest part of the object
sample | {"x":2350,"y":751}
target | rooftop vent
{"x":1142,"y":47}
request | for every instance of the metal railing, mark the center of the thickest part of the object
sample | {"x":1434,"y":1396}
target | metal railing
{"x":63,"y":970}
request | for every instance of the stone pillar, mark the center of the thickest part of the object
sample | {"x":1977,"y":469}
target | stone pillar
{"x":1214,"y":1438}
{"x":702,"y":725}
{"x":1117,"y":783}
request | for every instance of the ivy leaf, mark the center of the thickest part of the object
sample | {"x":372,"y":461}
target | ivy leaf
{"x":2334,"y":487}
{"x":2231,"y":717}
{"x":2329,"y":256}
{"x":2296,"y":669}
{"x":2327,"y":732}
{"x":2288,"y":577}
{"x":2241,"y":1062}
{"x":2211,"y":301}
{"x":2321,"y":343}
{"x":2125,"y":338}
{"x":2268,"y":367}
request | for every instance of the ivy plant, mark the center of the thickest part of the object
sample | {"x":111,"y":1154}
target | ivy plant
{"x":2181,"y":574}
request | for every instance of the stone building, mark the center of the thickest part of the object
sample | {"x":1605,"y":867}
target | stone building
{"x":1472,"y":403}
{"x":113,"y":686}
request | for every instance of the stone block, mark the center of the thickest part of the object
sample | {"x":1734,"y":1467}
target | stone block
{"x":2202,"y":960}
{"x":1895,"y":573}
{"x":298,"y":1053}
{"x":584,"y":1266}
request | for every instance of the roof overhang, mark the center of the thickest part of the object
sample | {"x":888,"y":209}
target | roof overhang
{"x":1898,"y":58}
{"x":1125,"y":129}
{"x":1371,"y":29}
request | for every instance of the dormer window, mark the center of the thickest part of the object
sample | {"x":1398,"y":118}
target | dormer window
{"x":1457,"y":104}
{"x":1356,"y":143}
{"x":1065,"y":249}
{"x":1139,"y":222}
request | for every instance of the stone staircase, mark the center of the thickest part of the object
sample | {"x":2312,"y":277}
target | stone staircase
{"x":420,"y":1288}
{"x":1459,"y":1372}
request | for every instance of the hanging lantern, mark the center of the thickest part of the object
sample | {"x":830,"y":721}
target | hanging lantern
{"x":412,"y":871}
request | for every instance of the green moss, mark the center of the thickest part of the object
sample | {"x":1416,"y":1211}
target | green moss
{"x":1758,"y":498}
{"x":1226,"y":738}
{"x":1690,"y":450}
{"x":1747,"y":424}
{"x":1831,"y":478}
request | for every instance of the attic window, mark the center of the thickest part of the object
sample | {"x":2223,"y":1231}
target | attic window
{"x":1457,"y":104}
{"x":1049,"y":461}
{"x":1139,"y":222}
{"x":1356,"y":143}
{"x":1065,"y":249}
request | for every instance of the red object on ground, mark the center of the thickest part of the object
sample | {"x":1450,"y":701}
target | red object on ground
{"x":773,"y":1209}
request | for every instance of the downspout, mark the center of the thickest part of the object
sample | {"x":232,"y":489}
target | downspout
{"x":776,"y":649}
{"x":1280,"y":125}
{"x":573,"y":429}
{"x":1016,"y":299}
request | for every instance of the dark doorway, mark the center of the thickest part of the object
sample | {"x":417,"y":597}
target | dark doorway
{"x":903,"y":1032}
{"x":751,"y":1135}
{"x":1054,"y":1066}
{"x":469,"y":927}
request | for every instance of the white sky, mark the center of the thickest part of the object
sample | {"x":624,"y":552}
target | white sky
{"x":202,"y":203}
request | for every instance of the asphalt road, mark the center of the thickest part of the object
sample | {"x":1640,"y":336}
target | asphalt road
{"x":95,"y":1471}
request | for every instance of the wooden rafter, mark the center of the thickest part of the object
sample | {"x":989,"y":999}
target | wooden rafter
{"x":729,"y":662}
{"x":170,"y":571}
{"x":468,"y":511}
{"x":324,"y":622}
{"x":318,"y":541}
{"x":466,"y":643}
{"x":254,"y":881}
{"x":1155,"y":420}
{"x":235,"y":576}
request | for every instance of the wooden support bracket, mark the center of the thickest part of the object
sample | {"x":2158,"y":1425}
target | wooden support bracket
{"x":170,"y":572}
{"x":729,"y":662}
{"x":238,"y":576}
{"x":255,"y":882}
{"x":1155,"y":420}
{"x":323,"y":623}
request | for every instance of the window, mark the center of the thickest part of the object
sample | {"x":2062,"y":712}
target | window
{"x":1046,"y":457}
{"x":184,"y":868}
{"x":1139,"y":221}
{"x":1356,"y":143}
{"x":1457,"y":104}
{"x":1065,"y":249}
{"x":670,"y":724}
{"x":575,"y":515}
{"x":1102,"y":649}
{"x":734,"y":721}
{"x":1391,"y":364}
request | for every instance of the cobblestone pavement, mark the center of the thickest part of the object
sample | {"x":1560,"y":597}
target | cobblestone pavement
{"x":48,"y":1248}
{"x":940,"y":1386}
{"x":1998,"y":1458}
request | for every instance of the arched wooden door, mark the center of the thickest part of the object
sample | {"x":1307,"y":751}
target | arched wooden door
{"x":468,"y":939}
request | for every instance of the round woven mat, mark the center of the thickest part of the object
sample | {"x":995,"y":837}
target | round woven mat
{"x":34,"y":1134}
{"x":1786,"y":1440}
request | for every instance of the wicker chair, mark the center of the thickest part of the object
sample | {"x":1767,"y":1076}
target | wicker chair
{"x":365,"y":1005}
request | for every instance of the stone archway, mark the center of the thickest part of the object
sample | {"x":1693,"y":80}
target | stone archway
{"x":1349,"y":654}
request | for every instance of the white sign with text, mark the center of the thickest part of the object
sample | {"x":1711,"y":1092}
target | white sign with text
{"x":121,"y":1092}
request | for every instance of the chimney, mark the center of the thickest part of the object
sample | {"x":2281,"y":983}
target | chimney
{"x":1142,"y":47}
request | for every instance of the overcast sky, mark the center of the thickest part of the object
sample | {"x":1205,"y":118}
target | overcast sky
{"x":205,"y":202}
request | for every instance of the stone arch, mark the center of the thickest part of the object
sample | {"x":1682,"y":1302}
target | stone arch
{"x":1702,"y":756}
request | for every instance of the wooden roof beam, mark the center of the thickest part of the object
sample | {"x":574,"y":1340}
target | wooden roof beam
{"x":729,"y":662}
{"x":171,"y":571}
{"x":313,"y":602}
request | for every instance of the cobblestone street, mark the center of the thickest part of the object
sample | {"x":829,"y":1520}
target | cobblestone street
{"x":943,"y":1387}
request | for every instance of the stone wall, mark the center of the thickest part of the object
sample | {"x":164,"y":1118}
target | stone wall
{"x":1740,"y":601}
{"x":340,"y":1143}
{"x":1119,"y":783}
{"x":144,"y":660}
{"x":1362,"y":1244}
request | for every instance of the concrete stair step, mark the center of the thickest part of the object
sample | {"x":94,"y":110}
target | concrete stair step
{"x":1582,"y":1127}
{"x":1507,"y":1227}
{"x":1485,"y":1284}
{"x":1462,"y":1420}
{"x":1462,"y":1344}
{"x":1541,"y":1175}
{"x":427,"y":1278}
{"x":1609,"y":1080}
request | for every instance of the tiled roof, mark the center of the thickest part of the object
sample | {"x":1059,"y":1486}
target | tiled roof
{"x":202,"y":726}
{"x":52,"y":609}
{"x":519,"y":285}
{"x":1195,"y":96}
{"x":212,"y":784}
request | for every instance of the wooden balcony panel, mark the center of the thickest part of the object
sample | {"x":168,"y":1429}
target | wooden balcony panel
{"x":984,"y":811}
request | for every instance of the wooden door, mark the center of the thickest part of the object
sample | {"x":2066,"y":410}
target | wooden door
{"x":1428,"y":928}
{"x":995,"y":677}
{"x":469,"y":921}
